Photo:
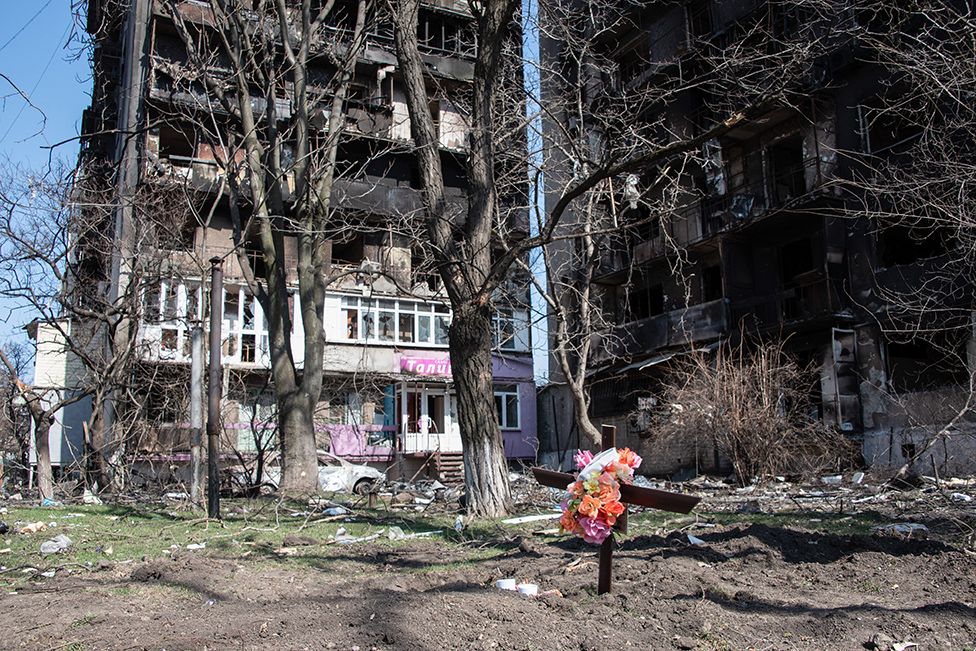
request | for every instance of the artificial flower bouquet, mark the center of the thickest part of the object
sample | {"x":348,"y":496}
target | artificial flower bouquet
{"x":594,"y":498}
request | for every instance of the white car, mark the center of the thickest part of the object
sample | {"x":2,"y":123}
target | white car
{"x":337,"y":475}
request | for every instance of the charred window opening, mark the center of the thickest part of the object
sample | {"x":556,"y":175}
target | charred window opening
{"x":177,"y":237}
{"x":422,"y":271}
{"x":255,"y":257}
{"x":176,"y":145}
{"x":884,"y":131}
{"x":347,"y":252}
{"x":632,"y":63}
{"x":646,"y":302}
{"x":906,"y":244}
{"x":700,"y":24}
{"x":786,"y":169}
{"x":441,"y":34}
{"x":796,"y":261}
{"x":711,"y":283}
{"x":926,"y":364}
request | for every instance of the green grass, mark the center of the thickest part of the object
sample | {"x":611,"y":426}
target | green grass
{"x":255,"y":530}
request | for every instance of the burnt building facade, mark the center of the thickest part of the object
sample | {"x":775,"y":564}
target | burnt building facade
{"x":770,"y":239}
{"x":387,"y":396}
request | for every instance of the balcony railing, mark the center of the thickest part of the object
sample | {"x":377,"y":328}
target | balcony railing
{"x":747,"y":199}
{"x":703,"y":322}
{"x":807,"y":299}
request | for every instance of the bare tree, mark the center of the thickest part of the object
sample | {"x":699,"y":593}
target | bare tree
{"x":14,"y":418}
{"x":271,"y":80}
{"x":55,"y":244}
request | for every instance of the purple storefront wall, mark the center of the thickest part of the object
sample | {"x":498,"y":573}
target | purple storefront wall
{"x":521,"y":443}
{"x":349,"y":441}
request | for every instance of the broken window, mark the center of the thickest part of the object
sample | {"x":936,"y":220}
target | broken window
{"x":711,"y":283}
{"x":646,"y":302}
{"x":923,"y":365}
{"x":440,"y":34}
{"x":883,"y":130}
{"x":347,"y":252}
{"x":700,"y":23}
{"x":176,"y":145}
{"x":786,"y":169}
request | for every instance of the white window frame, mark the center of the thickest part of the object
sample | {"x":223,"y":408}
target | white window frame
{"x":517,"y":338}
{"x":234,"y":330}
{"x":177,"y":323}
{"x":368,"y":312}
{"x":504,"y":395}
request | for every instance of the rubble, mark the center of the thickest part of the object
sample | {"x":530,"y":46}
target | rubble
{"x":902,"y":530}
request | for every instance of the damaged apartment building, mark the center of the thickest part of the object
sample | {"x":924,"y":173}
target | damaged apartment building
{"x":766,"y":245}
{"x":388,"y":398}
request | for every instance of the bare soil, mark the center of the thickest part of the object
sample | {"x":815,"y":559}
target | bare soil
{"x":748,"y":586}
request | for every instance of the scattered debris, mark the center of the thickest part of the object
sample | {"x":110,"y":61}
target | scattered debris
{"x":695,"y":540}
{"x":395,"y":533}
{"x":506,"y":584}
{"x":533,"y":518}
{"x":49,"y":574}
{"x":333,"y":511}
{"x":90,"y":498}
{"x":961,"y":497}
{"x":459,"y":524}
{"x":528,"y":589}
{"x":196,"y":546}
{"x":832,"y":480}
{"x":857,"y":478}
{"x":33,"y":527}
{"x":3,"y":527}
{"x":902,"y":530}
{"x":56,"y":545}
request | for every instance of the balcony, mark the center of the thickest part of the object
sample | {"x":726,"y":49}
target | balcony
{"x":809,"y":298}
{"x":703,"y":322}
{"x":747,"y":199}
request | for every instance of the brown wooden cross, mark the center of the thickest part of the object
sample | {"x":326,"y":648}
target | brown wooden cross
{"x":629,"y":494}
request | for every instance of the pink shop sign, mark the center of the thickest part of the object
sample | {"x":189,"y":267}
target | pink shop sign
{"x":421,"y":366}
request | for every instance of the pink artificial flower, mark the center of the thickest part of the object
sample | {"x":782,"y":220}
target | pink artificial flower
{"x":594,"y":530}
{"x":582,"y":458}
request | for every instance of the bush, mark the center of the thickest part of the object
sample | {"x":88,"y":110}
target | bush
{"x":756,"y":407}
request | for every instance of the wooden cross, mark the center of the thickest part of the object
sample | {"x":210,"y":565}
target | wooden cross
{"x":629,"y":494}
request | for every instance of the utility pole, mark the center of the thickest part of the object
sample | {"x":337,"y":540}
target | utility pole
{"x":196,"y":414}
{"x":213,"y":388}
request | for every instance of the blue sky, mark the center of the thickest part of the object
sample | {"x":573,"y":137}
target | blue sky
{"x":36,"y":56}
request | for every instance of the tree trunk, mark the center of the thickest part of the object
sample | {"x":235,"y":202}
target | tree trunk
{"x":299,"y":461}
{"x":45,"y":475}
{"x":485,"y":468}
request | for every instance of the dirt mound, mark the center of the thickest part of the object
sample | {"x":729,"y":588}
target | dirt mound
{"x":745,"y":586}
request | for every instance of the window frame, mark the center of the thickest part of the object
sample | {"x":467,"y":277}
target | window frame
{"x":502,"y":394}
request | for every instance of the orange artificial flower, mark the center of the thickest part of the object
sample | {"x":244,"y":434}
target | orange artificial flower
{"x":629,"y":458}
{"x":576,"y":489}
{"x":613,"y":508}
{"x":568,"y":523}
{"x":608,"y":493}
{"x":590,"y":506}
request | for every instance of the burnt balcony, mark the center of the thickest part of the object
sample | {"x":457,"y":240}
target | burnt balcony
{"x":746,"y":198}
{"x":811,"y":297}
{"x":703,"y":322}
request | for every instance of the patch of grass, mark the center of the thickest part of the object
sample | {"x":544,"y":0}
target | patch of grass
{"x":87,"y":620}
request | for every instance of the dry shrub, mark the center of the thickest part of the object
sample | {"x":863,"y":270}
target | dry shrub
{"x":758,"y":409}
